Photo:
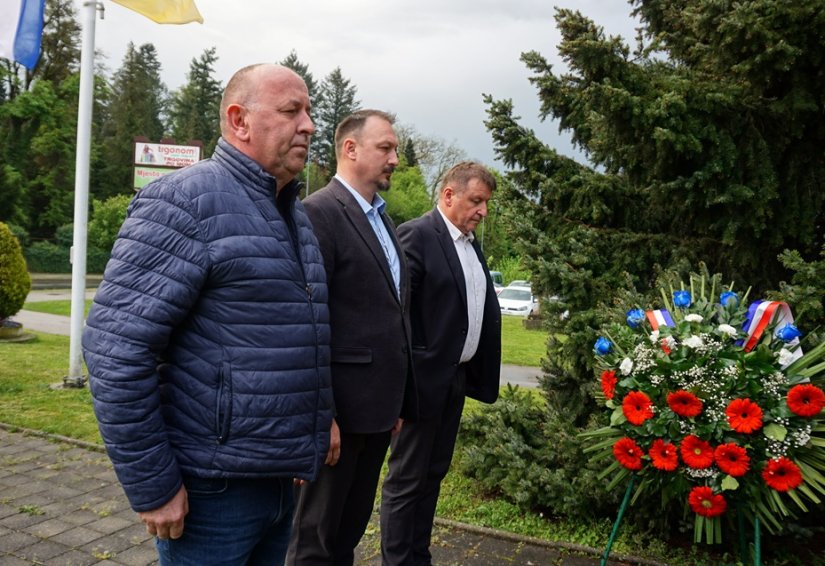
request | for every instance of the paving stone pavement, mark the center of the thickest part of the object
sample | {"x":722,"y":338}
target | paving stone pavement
{"x":61,"y":505}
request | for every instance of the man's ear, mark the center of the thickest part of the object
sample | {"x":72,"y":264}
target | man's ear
{"x":448,"y":194}
{"x":236,"y":118}
{"x":349,"y":148}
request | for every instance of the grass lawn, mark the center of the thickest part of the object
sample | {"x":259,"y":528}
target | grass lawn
{"x":519,"y":346}
{"x":61,"y":307}
{"x":26,"y":400}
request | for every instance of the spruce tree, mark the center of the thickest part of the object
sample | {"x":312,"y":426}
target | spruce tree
{"x":139,"y":100}
{"x":336,"y":100}
{"x":194,"y":110}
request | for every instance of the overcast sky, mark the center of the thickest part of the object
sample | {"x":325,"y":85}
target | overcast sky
{"x":429,"y":61}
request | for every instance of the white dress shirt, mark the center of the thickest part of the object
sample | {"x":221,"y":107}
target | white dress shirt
{"x":476,"y":284}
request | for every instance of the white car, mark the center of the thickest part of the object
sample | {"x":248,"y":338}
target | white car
{"x":517,"y":301}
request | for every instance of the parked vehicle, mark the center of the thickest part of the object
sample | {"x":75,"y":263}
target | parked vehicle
{"x":517,"y":301}
{"x":498,"y":281}
{"x":521,"y":283}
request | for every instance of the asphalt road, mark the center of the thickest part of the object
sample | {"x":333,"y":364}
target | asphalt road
{"x":54,"y":324}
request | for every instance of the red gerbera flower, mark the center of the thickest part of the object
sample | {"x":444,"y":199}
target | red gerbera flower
{"x":684,"y":404}
{"x":628,"y":453}
{"x":696,"y":453}
{"x":744,"y":415}
{"x":732,"y":459}
{"x":637,"y":407}
{"x":663,"y":454}
{"x":705,"y":503}
{"x":782,"y":475}
{"x":806,"y":400}
{"x":609,"y":383}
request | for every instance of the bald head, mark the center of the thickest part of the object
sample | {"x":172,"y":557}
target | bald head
{"x":246,"y":83}
{"x":265,"y":115}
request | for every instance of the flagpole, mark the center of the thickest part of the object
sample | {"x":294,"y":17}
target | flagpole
{"x":75,"y":377}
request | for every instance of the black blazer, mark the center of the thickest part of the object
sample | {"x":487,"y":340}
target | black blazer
{"x":438,"y":316}
{"x":372,"y":377}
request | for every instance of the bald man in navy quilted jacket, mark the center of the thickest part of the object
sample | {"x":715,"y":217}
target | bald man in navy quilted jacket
{"x":208,"y":341}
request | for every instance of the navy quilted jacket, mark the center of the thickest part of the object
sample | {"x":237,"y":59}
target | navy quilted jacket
{"x":208,"y":341}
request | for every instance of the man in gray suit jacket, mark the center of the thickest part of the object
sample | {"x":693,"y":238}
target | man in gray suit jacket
{"x":456,"y":338}
{"x":372,"y":376}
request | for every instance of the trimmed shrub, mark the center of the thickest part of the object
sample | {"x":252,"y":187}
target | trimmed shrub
{"x":20,"y":233}
{"x":15,"y":282}
{"x":46,"y":257}
{"x":107,"y":217}
{"x":64,"y":236}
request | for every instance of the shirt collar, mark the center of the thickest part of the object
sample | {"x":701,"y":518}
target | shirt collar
{"x":378,"y":203}
{"x":455,"y":234}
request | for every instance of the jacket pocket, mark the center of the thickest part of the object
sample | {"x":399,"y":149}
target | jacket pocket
{"x":223,"y":409}
{"x":351,"y":355}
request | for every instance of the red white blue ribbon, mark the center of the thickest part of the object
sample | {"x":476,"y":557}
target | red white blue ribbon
{"x":760,"y":315}
{"x":659,"y":318}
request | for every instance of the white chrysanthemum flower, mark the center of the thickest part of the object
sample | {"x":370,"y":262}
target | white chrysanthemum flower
{"x":654,"y":336}
{"x":694,"y":317}
{"x":626,"y":367}
{"x":785,"y":357}
{"x":693,"y":342}
{"x":728,"y":329}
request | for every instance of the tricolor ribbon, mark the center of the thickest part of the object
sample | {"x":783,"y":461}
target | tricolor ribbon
{"x":760,"y":315}
{"x":659,"y":318}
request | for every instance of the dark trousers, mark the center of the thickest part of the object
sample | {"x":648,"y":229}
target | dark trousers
{"x":419,"y":459}
{"x":331,"y":513}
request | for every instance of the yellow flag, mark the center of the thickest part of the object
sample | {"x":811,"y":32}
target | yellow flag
{"x":165,"y":11}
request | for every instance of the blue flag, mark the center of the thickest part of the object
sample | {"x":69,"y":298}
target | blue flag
{"x":21,"y":28}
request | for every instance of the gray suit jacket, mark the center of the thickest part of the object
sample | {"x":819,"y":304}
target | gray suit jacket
{"x":372,"y":377}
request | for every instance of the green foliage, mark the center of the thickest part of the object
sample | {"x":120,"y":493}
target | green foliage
{"x":107,"y":217}
{"x":15,"y":282}
{"x":64,"y":236}
{"x":20,"y":233}
{"x":139,"y":100}
{"x":806,"y":291}
{"x":511,"y":269}
{"x":194,"y":111}
{"x":521,"y":451}
{"x":46,"y":257}
{"x":407,"y":197}
{"x":695,"y":163}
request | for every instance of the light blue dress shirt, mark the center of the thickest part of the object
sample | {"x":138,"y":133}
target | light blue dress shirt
{"x":374,"y":211}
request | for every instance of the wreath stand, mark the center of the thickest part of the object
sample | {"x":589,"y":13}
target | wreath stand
{"x":743,"y":543}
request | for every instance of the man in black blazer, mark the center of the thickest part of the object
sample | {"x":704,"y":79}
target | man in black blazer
{"x":456,"y":339}
{"x":372,"y":376}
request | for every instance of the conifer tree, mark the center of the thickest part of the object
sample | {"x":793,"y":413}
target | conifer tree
{"x":705,"y":143}
{"x":139,"y":99}
{"x":194,"y":110}
{"x":336,"y":100}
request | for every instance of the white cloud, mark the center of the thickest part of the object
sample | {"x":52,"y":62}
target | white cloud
{"x":429,"y":61}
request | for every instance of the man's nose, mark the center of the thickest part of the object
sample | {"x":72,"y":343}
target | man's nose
{"x":306,"y":124}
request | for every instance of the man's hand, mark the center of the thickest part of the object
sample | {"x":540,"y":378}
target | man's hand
{"x":334,"y":451}
{"x":167,"y":521}
{"x":397,"y":427}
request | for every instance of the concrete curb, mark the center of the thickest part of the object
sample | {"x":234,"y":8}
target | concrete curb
{"x":558,"y":545}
